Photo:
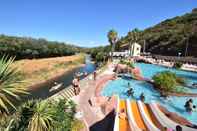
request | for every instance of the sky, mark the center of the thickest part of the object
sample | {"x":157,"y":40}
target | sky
{"x":85,"y":22}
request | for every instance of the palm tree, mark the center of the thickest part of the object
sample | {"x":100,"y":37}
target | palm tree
{"x":133,"y":36}
{"x":112,"y":38}
{"x":130,"y":37}
{"x":43,"y":117}
{"x":9,"y":85}
{"x":136,"y":33}
{"x":34,"y":116}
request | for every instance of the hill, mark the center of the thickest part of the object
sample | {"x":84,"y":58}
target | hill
{"x":170,"y":36}
{"x":26,"y":47}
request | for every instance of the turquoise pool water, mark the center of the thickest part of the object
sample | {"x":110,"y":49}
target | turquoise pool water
{"x":173,"y":104}
{"x":149,"y":70}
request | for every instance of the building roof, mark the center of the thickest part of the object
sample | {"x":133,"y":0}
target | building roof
{"x":126,"y":45}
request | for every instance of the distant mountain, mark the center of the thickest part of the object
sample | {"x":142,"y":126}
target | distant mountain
{"x":170,"y":36}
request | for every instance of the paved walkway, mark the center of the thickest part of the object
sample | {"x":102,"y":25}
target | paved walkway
{"x":91,"y":114}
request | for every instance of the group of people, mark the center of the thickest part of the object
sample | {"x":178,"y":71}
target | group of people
{"x":130,"y":92}
{"x":189,"y":107}
{"x":75,"y":82}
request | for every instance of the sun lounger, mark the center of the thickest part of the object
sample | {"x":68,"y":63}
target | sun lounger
{"x":146,"y":118}
{"x":131,"y":119}
{"x":165,"y":121}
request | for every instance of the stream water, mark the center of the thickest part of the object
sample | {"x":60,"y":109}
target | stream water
{"x":41,"y":91}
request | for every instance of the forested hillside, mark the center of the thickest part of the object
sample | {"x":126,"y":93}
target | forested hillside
{"x":171,"y":36}
{"x":23,"y":47}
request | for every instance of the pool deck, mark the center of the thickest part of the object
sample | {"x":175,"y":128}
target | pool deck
{"x":98,"y":114}
{"x":102,"y":106}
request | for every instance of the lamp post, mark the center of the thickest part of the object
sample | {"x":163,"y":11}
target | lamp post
{"x":179,"y":54}
{"x":186,"y":48}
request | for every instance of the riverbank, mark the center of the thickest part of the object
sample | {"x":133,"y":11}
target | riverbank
{"x":37,"y":71}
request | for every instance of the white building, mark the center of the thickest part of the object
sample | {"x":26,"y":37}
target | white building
{"x":135,"y":49}
{"x":126,"y":52}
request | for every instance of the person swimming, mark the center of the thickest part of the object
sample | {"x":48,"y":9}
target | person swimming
{"x":128,"y":85}
{"x":130,"y":92}
{"x":194,"y":84}
{"x":142,"y":97}
{"x":194,"y":108}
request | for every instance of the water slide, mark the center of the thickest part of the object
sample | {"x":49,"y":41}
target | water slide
{"x":147,"y":117}
{"x":152,"y":116}
{"x":123,"y":123}
{"x":116,"y":123}
{"x":137,"y":116}
{"x":132,"y":123}
{"x":165,"y":121}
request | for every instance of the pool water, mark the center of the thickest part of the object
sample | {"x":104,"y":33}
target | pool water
{"x":149,"y":70}
{"x":173,"y":104}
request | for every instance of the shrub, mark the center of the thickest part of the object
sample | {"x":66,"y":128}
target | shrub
{"x":44,"y":115}
{"x":168,"y":81}
{"x":128,"y":63}
{"x":177,"y":65}
{"x":100,"y":57}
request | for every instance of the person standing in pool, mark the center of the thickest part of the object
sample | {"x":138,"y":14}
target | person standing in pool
{"x":189,"y":105}
{"x":129,"y":85}
{"x":142,"y":97}
{"x":130,"y":92}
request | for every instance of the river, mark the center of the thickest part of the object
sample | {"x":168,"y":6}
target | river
{"x":41,"y":91}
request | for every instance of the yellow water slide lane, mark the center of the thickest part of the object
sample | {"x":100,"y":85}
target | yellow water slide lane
{"x":138,"y":118}
{"x":123,"y":123}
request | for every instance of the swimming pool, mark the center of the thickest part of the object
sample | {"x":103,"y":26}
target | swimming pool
{"x":149,"y":70}
{"x":173,"y":104}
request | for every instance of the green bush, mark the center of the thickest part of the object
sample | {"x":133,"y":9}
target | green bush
{"x":43,"y":115}
{"x":168,"y":81}
{"x":128,"y":63}
{"x":100,"y":57}
{"x":177,"y":65}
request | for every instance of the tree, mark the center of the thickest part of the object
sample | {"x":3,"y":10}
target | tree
{"x":9,"y":85}
{"x":112,"y":38}
{"x":44,"y":115}
{"x":42,"y":118}
{"x":100,"y":57}
{"x":34,"y":115}
{"x":186,"y":36}
{"x":136,"y":34}
{"x":130,"y":37}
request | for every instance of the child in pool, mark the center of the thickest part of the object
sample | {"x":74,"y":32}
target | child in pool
{"x":194,"y":108}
